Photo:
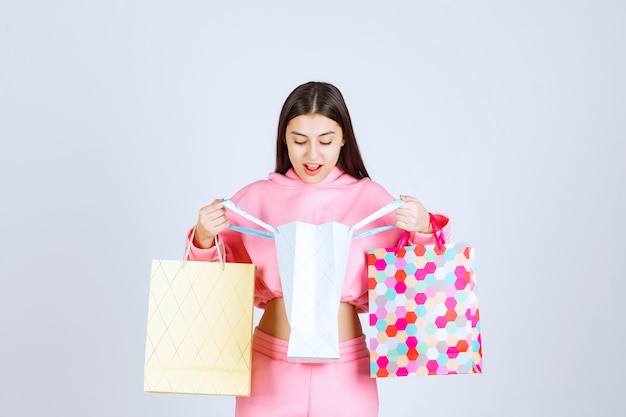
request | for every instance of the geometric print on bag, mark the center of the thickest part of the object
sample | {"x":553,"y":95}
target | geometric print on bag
{"x":199,"y":328}
{"x":423,"y":311}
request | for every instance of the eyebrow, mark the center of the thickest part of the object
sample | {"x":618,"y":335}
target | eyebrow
{"x":330,"y":132}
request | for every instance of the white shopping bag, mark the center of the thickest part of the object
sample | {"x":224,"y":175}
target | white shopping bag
{"x":312,"y":262}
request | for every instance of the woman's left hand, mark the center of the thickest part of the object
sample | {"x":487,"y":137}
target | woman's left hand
{"x":412,"y":216}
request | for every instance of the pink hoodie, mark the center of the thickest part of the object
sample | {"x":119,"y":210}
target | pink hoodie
{"x":283,"y":199}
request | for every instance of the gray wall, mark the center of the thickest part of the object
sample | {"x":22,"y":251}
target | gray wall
{"x":119,"y":119}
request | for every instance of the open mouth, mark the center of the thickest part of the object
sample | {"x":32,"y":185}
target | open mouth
{"x":312,"y":169}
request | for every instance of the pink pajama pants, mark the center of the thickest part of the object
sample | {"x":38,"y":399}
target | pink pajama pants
{"x":286,"y":389}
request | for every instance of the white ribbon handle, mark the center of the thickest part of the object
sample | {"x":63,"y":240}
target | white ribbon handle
{"x":232,"y":206}
{"x":273,"y":231}
{"x":375,"y":216}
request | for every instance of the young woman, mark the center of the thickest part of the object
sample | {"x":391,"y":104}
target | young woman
{"x":320,"y":177}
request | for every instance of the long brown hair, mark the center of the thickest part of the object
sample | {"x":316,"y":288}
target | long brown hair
{"x":325,"y":99}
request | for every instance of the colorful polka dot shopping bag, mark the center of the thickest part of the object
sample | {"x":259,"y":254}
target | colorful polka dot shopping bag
{"x":423,"y":310}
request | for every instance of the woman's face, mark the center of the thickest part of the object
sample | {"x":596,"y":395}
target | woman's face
{"x":313,"y":143}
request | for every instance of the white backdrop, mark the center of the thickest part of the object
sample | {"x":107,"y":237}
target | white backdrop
{"x":119,"y":119}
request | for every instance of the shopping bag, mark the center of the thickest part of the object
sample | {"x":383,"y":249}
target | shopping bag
{"x":312,"y":262}
{"x":199,"y":330}
{"x":423,"y":310}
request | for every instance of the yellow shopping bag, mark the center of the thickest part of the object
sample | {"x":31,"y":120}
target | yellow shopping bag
{"x":199,"y":333}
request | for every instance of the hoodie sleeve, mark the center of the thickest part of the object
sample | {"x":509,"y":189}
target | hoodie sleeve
{"x":234,"y":249}
{"x":199,"y":254}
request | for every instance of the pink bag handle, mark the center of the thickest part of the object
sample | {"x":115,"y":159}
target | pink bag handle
{"x":440,"y":240}
{"x":437,"y":231}
{"x":219,"y":245}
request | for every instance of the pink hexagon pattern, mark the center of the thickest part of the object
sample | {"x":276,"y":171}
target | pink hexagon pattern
{"x":406,"y":308}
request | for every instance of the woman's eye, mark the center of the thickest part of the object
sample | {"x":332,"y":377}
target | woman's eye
{"x":326,"y":143}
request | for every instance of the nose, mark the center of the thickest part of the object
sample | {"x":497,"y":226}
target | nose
{"x":313,"y":150}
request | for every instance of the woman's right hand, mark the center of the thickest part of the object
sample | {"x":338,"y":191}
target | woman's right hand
{"x":211,"y":220}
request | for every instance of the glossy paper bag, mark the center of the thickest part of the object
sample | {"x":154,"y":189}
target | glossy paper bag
{"x":312,"y":261}
{"x":423,"y":311}
{"x":199,"y":328}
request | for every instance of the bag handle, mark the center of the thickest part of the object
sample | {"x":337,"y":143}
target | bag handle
{"x":235,"y":208}
{"x":437,"y":231}
{"x":375,"y":216}
{"x":219,"y":245}
{"x":440,"y":240}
